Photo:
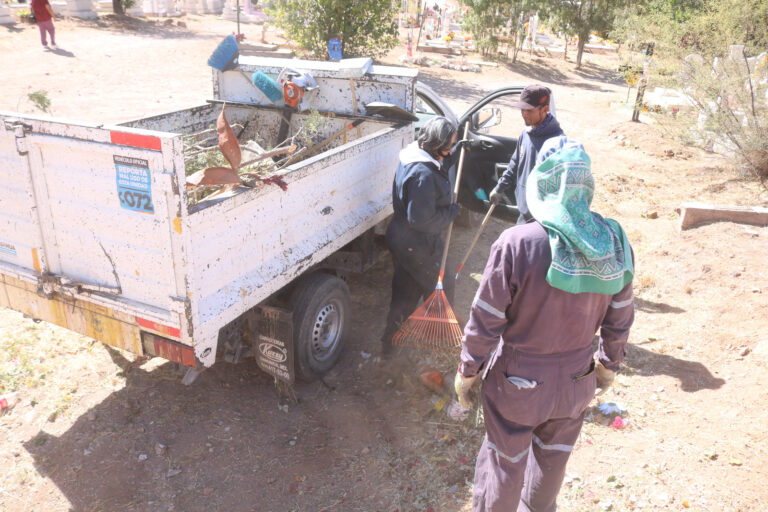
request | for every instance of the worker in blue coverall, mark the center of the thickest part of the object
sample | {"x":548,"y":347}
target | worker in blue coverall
{"x":421,"y":199}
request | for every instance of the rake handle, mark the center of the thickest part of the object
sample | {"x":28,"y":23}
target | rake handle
{"x":455,"y":200}
{"x":477,"y":237}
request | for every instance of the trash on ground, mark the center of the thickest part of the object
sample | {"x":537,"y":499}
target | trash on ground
{"x":611,"y":408}
{"x":438,"y":402}
{"x":457,"y":412}
{"x":7,"y":402}
{"x":619,"y":422}
{"x":432,"y":379}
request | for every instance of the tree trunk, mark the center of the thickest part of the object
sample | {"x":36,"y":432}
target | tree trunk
{"x":519,"y":40}
{"x":565,"y":51}
{"x":117,"y":6}
{"x":582,"y":42}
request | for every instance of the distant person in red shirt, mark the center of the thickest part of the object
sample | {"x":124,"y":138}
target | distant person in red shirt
{"x":45,"y":16}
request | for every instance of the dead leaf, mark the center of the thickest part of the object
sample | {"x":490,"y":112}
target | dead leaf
{"x":276,"y":180}
{"x":228,"y":143}
{"x":214,"y":176}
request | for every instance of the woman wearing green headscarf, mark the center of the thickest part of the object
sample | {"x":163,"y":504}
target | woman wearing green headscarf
{"x":548,"y":287}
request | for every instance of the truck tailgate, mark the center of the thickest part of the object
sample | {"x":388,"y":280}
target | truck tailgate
{"x":89,"y":228}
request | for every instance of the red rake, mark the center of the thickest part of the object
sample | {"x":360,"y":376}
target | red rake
{"x":433,"y":325}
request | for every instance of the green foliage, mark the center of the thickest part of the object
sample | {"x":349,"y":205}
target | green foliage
{"x":212,"y":158}
{"x":40,"y":100}
{"x":707,"y":49}
{"x":492,"y":22}
{"x":706,"y":27}
{"x":582,"y":17}
{"x":730,"y":96}
{"x":365,"y":28}
{"x":312,"y":125}
{"x":120,"y":6}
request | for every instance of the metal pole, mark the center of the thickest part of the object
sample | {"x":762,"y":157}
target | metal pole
{"x":238,"y":17}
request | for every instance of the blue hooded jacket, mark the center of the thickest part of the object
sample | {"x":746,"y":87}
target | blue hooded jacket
{"x":421,"y":199}
{"x":524,"y":160}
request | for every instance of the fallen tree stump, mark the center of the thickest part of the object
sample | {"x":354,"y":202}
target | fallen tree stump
{"x":694,"y":214}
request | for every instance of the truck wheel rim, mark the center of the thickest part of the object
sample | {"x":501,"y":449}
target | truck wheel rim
{"x":326,"y":331}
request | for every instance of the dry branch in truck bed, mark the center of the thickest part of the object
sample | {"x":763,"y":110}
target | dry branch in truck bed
{"x":214,"y":157}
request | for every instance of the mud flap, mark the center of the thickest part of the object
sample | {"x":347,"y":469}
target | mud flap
{"x":273,"y":342}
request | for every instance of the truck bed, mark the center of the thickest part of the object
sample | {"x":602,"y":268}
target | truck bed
{"x":76,"y":252}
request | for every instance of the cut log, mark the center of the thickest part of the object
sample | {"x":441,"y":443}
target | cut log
{"x":694,"y":214}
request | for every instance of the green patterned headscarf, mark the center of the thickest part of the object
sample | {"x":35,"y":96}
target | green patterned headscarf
{"x":589,"y":253}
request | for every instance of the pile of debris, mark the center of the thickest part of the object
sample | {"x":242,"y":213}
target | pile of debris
{"x":215,"y":162}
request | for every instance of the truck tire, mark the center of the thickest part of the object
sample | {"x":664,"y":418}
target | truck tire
{"x":321,"y":309}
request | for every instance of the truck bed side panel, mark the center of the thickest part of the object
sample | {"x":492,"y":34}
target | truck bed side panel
{"x":247,"y":249}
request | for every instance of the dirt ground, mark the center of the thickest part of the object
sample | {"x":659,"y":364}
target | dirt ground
{"x":96,"y":430}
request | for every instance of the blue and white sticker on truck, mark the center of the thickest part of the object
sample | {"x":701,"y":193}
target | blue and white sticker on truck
{"x":134,"y":184}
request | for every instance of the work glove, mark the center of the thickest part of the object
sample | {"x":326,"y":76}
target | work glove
{"x":495,"y":196}
{"x":465,"y":388}
{"x":604,"y":378}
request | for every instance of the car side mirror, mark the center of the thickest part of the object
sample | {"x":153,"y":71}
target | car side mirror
{"x":486,"y":118}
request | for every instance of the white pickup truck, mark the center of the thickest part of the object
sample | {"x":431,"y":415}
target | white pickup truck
{"x":96,"y":233}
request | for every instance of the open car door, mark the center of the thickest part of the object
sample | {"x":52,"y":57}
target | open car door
{"x":494,"y":126}
{"x":493,"y":129}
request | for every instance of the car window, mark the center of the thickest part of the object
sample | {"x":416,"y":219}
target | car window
{"x":425,"y":110}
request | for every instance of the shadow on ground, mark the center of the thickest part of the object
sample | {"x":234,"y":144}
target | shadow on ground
{"x":356,"y":441}
{"x":649,"y":306}
{"x":62,"y":52}
{"x":539,"y":70}
{"x":589,"y":71}
{"x":452,"y":89}
{"x":165,"y":28}
{"x":693,"y":376}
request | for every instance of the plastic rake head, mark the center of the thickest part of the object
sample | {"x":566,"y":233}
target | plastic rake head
{"x":432,"y":326}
